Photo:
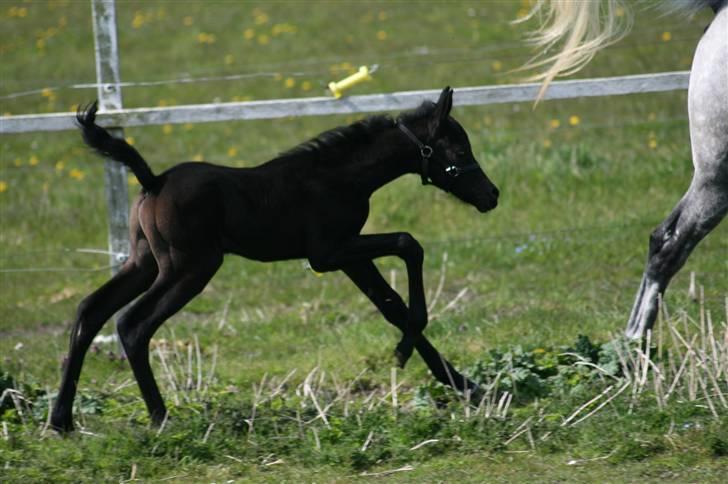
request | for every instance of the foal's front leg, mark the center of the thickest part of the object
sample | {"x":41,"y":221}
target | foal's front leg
{"x":368,"y":279}
{"x":368,"y":247}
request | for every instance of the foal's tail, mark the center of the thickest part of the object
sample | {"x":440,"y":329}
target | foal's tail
{"x":117,"y":149}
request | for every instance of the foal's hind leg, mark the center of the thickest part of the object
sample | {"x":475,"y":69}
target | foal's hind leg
{"x":180,"y":279}
{"x":706,"y":201}
{"x":133,"y":278}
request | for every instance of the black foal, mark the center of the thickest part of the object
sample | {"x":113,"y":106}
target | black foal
{"x":310,"y":202}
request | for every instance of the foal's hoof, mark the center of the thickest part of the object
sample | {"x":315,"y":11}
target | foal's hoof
{"x":403,"y":352}
{"x":62,"y":426}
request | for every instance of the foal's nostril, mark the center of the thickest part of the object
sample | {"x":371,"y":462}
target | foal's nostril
{"x":494,"y":192}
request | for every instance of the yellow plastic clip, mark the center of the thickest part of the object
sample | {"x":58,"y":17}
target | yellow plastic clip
{"x":337,"y":88}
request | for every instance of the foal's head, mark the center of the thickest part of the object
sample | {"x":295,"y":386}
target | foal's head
{"x":446,"y":155}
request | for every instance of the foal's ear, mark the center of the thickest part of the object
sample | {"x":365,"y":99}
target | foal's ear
{"x":442,"y":110}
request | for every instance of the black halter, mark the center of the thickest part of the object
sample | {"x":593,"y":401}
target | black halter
{"x":426,"y":152}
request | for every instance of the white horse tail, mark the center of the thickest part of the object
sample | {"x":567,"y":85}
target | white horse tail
{"x":581,"y":27}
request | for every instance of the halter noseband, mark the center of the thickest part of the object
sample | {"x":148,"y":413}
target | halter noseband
{"x":426,"y":153}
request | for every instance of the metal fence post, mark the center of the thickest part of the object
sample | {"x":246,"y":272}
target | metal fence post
{"x":109,"y":97}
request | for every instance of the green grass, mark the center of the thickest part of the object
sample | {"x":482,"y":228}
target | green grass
{"x":561,"y":256}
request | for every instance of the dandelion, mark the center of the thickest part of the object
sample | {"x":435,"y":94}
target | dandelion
{"x":3,"y":186}
{"x":263,"y":39}
{"x":130,"y":140}
{"x":306,"y":85}
{"x":187,"y":21}
{"x":60,"y":166}
{"x":496,"y":65}
{"x":248,"y":34}
{"x":290,"y":82}
{"x":197,"y":157}
{"x":554,"y":123}
{"x":167,"y":129}
{"x":204,"y":38}
{"x":619,"y":12}
{"x":652,"y":143}
{"x":76,"y":174}
{"x":232,"y":151}
{"x":574,"y":120}
{"x":382,"y":35}
{"x":666,"y":36}
{"x":547,"y":143}
{"x":33,"y":160}
{"x":48,"y":93}
{"x":40,"y":44}
{"x":261,"y":18}
{"x":138,"y":19}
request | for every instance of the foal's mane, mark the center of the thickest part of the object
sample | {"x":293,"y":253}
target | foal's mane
{"x":330,"y":144}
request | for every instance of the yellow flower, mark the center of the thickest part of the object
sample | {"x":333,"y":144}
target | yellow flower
{"x":131,"y":180}
{"x":263,"y":39}
{"x":76,"y":174}
{"x":306,"y":85}
{"x":652,"y":143}
{"x":3,"y":186}
{"x":261,"y":18}
{"x":60,"y":165}
{"x":666,"y":36}
{"x":232,"y":151}
{"x":138,"y":20}
{"x":40,"y":44}
{"x":187,"y":21}
{"x":382,"y":35}
{"x":204,"y":38}
{"x":496,"y":65}
{"x":197,"y":157}
{"x":130,"y":140}
{"x":22,"y":12}
{"x":249,"y":34}
{"x":33,"y":160}
{"x":619,"y":12}
{"x":290,"y":82}
{"x":574,"y":120}
{"x":167,"y":129}
{"x":547,"y":143}
{"x":554,"y":123}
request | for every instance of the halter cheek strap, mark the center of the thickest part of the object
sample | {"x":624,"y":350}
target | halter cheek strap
{"x":425,"y":151}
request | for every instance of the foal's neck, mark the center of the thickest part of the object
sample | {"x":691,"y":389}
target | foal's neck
{"x":390,"y":156}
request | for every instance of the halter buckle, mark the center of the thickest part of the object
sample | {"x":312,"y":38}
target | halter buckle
{"x":426,"y":151}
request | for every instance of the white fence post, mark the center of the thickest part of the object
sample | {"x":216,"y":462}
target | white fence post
{"x":109,"y":96}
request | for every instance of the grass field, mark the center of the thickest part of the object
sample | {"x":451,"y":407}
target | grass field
{"x":583,"y":183}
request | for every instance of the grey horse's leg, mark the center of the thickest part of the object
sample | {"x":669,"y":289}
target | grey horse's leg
{"x":706,"y":202}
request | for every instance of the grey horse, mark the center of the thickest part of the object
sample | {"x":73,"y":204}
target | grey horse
{"x":705,"y":203}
